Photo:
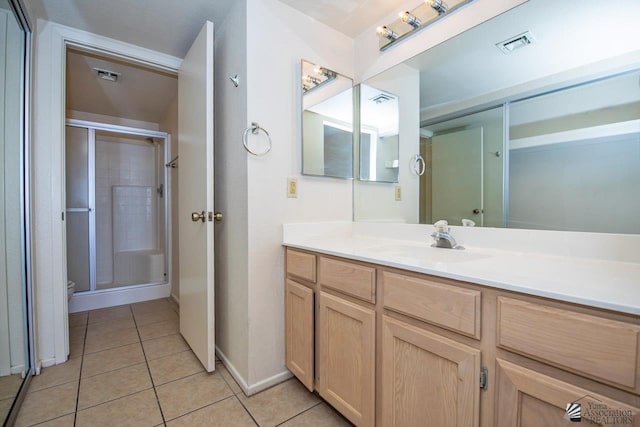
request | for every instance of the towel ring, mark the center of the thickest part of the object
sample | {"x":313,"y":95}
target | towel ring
{"x":419,"y":165}
{"x":255,"y":129}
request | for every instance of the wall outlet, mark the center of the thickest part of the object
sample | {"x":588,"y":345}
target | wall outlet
{"x":292,"y":188}
{"x":398,"y":191}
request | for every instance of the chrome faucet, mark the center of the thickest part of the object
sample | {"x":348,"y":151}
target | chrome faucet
{"x":442,"y":237}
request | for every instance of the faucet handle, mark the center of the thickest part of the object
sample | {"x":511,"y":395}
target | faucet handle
{"x":441,"y":226}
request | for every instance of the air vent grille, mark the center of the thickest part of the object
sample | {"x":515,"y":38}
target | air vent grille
{"x":380,"y":98}
{"x":516,"y":42}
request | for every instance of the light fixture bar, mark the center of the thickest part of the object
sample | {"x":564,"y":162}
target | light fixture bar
{"x":411,"y":21}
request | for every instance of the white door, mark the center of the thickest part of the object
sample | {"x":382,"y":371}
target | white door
{"x":195,"y":114}
{"x":456,"y":168}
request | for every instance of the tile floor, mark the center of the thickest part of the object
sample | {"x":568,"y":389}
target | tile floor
{"x":129,"y":366}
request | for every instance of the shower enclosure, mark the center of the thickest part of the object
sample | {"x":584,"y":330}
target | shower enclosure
{"x":117,"y":206}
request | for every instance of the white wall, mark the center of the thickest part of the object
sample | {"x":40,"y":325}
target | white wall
{"x":230,"y":193}
{"x":375,"y":201}
{"x":278,"y":37}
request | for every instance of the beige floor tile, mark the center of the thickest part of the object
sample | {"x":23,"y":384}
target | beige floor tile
{"x":151,"y":306}
{"x":114,"y":325}
{"x":113,"y":385}
{"x":110,"y":314}
{"x":228,"y":378}
{"x":56,"y":375}
{"x":188,"y":394}
{"x":9,"y":386}
{"x":160,"y":329}
{"x":78,"y":319}
{"x":48,"y":404}
{"x":76,"y":347}
{"x":156,"y":316}
{"x":227,"y":413}
{"x":174,"y":366}
{"x":98,"y":342}
{"x":277,"y":404}
{"x":140,"y":409}
{"x":66,"y":421}
{"x":77,"y":332}
{"x":5,"y":406}
{"x":321,"y":415}
{"x":109,"y":360}
{"x":164,"y":346}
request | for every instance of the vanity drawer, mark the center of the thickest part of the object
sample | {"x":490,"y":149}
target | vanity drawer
{"x":350,"y":278}
{"x":302,"y":265}
{"x":602,"y":349}
{"x":448,"y":306}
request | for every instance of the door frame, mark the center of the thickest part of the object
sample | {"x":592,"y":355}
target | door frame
{"x":48,"y":171}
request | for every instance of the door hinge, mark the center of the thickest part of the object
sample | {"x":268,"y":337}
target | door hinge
{"x":484,"y":378}
{"x":63,"y":216}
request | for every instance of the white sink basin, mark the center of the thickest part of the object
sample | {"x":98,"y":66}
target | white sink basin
{"x":428,"y":253}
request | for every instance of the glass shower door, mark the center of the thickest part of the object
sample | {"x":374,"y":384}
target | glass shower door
{"x":79,"y":212}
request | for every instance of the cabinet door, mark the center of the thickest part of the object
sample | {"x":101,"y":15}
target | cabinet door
{"x":528,"y":398}
{"x":299,"y":331}
{"x":347,"y":358}
{"x":427,"y":379}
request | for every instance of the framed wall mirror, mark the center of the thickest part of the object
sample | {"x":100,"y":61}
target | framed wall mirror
{"x":520,"y":128}
{"x":327,"y":122}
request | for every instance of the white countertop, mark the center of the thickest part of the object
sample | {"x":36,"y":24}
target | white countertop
{"x":589,"y":280}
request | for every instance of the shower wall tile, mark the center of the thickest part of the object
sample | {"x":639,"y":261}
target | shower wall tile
{"x":118,"y":164}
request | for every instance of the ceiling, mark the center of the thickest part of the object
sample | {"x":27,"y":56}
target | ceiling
{"x":139,"y":94}
{"x":568,"y":34}
{"x":165,"y":26}
{"x":170,"y":26}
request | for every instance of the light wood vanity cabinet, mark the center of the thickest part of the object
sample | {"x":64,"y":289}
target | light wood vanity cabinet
{"x":396,"y":348}
{"x":427,"y":379}
{"x":346,"y":358}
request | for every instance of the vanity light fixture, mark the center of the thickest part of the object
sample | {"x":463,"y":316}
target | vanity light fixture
{"x":322,"y":76}
{"x":410,"y":21}
{"x":387,"y":33}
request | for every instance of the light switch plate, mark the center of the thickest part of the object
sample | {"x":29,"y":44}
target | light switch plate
{"x":398,"y":192}
{"x":292,"y":188}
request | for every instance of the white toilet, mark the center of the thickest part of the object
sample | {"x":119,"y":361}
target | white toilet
{"x":70,"y":289}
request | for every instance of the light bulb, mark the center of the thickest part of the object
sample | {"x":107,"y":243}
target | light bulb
{"x":437,"y":5}
{"x":410,"y":19}
{"x":387,"y":33}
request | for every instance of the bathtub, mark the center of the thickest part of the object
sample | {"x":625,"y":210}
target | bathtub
{"x":138,"y":267}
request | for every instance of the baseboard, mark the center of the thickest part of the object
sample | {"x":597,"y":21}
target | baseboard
{"x":175,"y":299}
{"x":254,"y":388}
{"x":113,"y":297}
{"x":17,"y":370}
{"x":45,"y":363}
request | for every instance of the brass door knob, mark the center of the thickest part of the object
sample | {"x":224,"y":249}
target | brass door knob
{"x":217,"y":217}
{"x":197,"y":216}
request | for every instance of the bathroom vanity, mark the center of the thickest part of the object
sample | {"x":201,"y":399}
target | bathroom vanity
{"x":392,"y":332}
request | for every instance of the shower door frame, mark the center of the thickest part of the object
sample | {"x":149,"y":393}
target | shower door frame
{"x":92,"y":127}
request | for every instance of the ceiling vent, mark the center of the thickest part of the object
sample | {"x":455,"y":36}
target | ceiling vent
{"x":380,"y":98}
{"x":516,"y":42}
{"x":110,"y":76}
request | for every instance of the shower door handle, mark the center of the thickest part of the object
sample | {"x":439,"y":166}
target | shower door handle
{"x":198,"y":216}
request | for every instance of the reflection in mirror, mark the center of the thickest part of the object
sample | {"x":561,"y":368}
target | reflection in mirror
{"x":463,"y":179}
{"x":574,"y":158}
{"x":327,"y":122}
{"x":473,"y":88}
{"x":14,"y":342}
{"x":379,"y":135}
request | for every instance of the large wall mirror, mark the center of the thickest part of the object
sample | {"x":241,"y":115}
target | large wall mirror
{"x":529,"y":120}
{"x":327,"y":122}
{"x":15,"y":360}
